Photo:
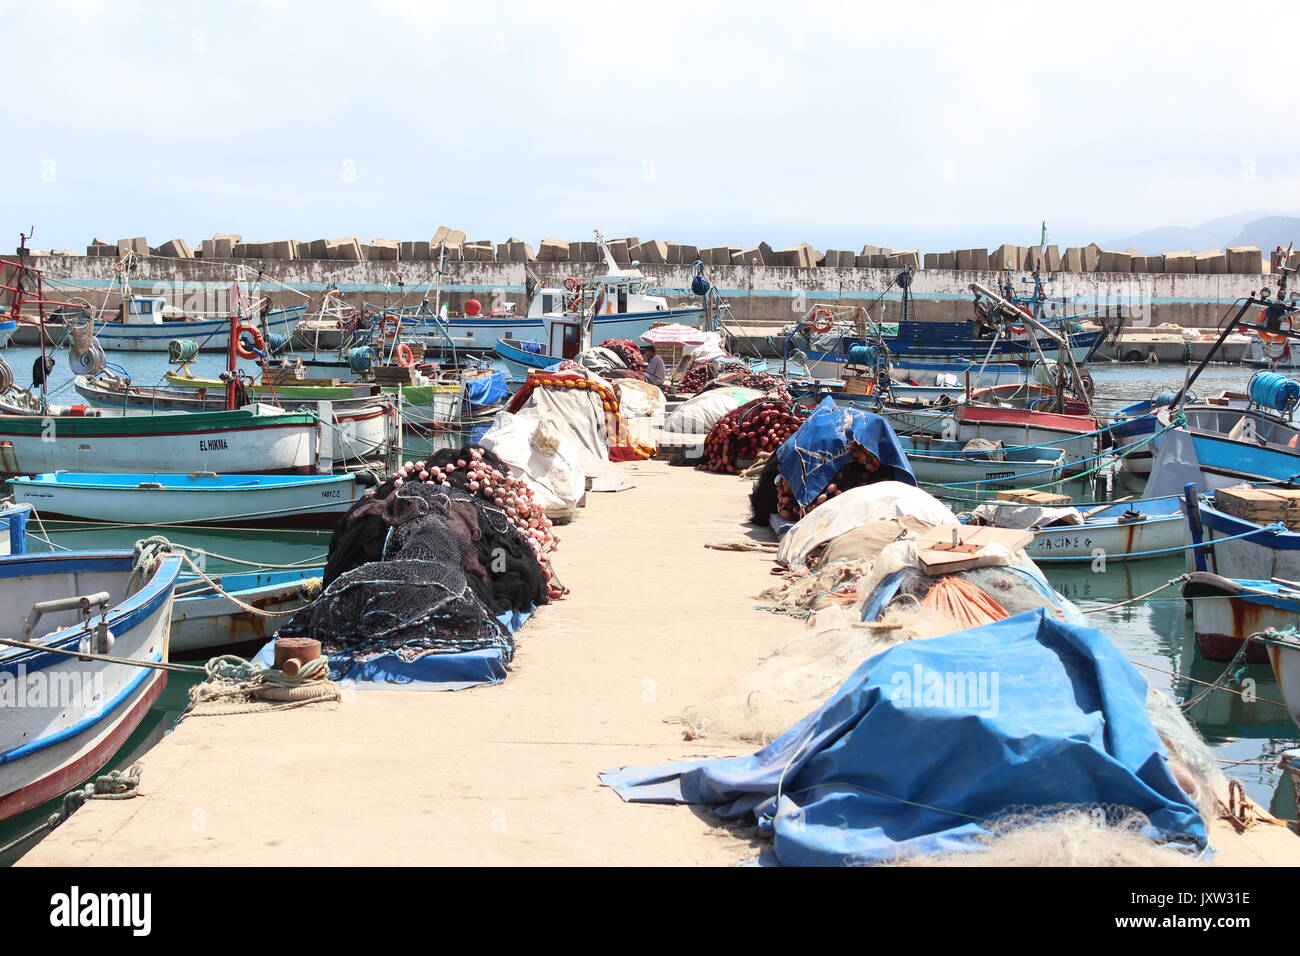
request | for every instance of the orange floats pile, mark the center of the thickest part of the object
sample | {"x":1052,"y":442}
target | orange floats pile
{"x":744,"y":433}
{"x":622,"y":447}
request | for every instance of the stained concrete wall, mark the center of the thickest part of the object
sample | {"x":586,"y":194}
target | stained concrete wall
{"x":755,"y":293}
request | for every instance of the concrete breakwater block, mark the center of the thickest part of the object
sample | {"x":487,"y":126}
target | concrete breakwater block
{"x":1179,"y":262}
{"x":651,"y":252}
{"x":716,"y":256}
{"x":418,"y":250}
{"x":618,"y":249}
{"x":1245,"y":260}
{"x":973,"y":260}
{"x":1007,"y":256}
{"x":385,"y":250}
{"x":176,"y":249}
{"x":1211,"y":262}
{"x":553,"y":250}
{"x":902,"y":258}
{"x":448,"y":235}
{"x":138,"y":245}
{"x":347,"y":250}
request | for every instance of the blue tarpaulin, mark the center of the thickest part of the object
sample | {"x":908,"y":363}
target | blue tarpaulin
{"x":931,"y":739}
{"x":485,"y":390}
{"x":429,"y":672}
{"x":810,"y":457}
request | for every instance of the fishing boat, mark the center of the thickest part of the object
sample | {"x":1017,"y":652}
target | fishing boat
{"x":107,"y":390}
{"x":1226,"y":611}
{"x":63,"y":717}
{"x":1024,"y":427}
{"x":208,"y":620}
{"x":950,"y":462}
{"x":144,"y":325}
{"x":1123,"y":531}
{"x":255,"y":439}
{"x":425,"y":401}
{"x":1235,"y":444}
{"x":244,"y":500}
{"x":365,"y":426}
{"x":624,"y":309}
{"x":1133,"y":422}
{"x":1254,"y":552}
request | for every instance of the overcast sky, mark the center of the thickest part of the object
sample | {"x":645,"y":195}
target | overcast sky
{"x":935,"y":125}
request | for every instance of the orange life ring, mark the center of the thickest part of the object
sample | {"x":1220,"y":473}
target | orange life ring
{"x":571,"y":283}
{"x":821,"y":321}
{"x":1284,"y":323}
{"x":389,"y":326}
{"x":259,"y":344}
{"x":405,"y":357}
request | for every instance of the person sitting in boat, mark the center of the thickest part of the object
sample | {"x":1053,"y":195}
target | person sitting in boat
{"x":655,"y":370}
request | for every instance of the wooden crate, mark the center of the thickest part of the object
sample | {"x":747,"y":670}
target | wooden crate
{"x":1043,"y":499}
{"x":859,"y":385}
{"x":1261,"y":505}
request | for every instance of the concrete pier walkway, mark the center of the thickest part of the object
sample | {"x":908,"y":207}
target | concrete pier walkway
{"x":506,"y":774}
{"x":492,"y":775}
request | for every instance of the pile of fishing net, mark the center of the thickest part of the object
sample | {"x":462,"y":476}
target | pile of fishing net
{"x":835,"y":449}
{"x":628,"y":351}
{"x":699,"y":377}
{"x":471,"y":493}
{"x":754,"y":429}
{"x":771,"y":385}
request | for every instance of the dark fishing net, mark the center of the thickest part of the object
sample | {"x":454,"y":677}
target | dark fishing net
{"x":410,"y":607}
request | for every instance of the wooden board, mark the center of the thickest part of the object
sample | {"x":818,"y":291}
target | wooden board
{"x":1044,"y":499}
{"x":939,"y":554}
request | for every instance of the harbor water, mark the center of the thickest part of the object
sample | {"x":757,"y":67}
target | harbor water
{"x":1246,"y":732}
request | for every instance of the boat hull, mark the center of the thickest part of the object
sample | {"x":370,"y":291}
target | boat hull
{"x":481,"y":332}
{"x":87,"y":708}
{"x":316,"y":502}
{"x":220,"y":442}
{"x":1104,"y":537}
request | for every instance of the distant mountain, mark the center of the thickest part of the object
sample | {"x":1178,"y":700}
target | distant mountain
{"x":1268,"y":233}
{"x":1215,"y":234}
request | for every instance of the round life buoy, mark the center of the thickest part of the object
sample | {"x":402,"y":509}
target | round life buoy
{"x":389,"y":326}
{"x":571,"y":283}
{"x":259,"y":344}
{"x":821,"y":321}
{"x":405,"y":357}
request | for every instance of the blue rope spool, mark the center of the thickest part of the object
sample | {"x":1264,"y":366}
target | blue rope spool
{"x":182,"y":350}
{"x":275,"y":341}
{"x":862,"y":355}
{"x":361,"y":359}
{"x":1273,"y":390}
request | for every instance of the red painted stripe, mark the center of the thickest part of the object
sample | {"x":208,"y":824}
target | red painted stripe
{"x":70,"y":775}
{"x":216,"y":430}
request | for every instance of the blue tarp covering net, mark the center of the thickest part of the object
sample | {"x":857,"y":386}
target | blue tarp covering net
{"x":914,"y":755}
{"x":810,"y":457}
{"x":481,"y":390}
{"x":429,"y":672}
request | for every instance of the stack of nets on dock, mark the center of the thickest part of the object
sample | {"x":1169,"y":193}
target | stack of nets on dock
{"x":742,"y":435}
{"x":427,"y":562}
{"x":628,"y":351}
{"x":770,"y":385}
{"x":837,"y":448}
{"x":699,"y":377}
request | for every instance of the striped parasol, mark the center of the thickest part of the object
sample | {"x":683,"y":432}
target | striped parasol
{"x":674,"y":333}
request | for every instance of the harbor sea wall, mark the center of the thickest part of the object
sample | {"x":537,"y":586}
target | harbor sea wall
{"x":756,"y":293}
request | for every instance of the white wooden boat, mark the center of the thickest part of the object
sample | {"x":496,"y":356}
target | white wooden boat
{"x":1253,"y":553}
{"x":259,"y":501}
{"x":1124,"y":531}
{"x":256,"y":439}
{"x":61,"y":717}
{"x":949,"y":462}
